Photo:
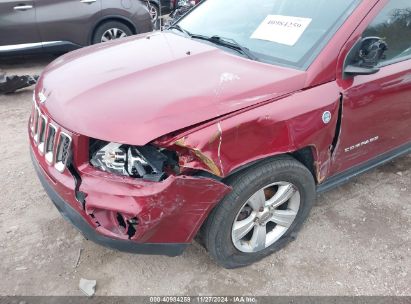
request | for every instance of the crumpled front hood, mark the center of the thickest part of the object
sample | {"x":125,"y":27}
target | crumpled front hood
{"x":140,"y":88}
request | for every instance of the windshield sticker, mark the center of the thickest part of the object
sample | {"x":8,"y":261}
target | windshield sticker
{"x":282,"y":29}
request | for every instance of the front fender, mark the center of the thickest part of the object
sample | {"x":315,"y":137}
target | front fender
{"x":224,"y":145}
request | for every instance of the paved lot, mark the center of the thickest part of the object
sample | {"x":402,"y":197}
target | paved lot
{"x":356,"y":241}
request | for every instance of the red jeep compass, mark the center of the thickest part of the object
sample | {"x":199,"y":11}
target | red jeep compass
{"x":224,"y":126}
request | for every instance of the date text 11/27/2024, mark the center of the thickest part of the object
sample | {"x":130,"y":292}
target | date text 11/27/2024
{"x":203,"y":299}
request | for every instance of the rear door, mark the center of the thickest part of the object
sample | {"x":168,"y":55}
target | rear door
{"x":17,"y":23}
{"x":67,"y":20}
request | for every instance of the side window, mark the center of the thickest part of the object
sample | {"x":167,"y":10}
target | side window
{"x":393,"y":25}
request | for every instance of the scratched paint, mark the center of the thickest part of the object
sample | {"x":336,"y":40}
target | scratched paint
{"x":279,"y":127}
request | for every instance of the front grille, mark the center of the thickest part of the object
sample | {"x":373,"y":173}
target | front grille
{"x":42,"y":133}
{"x":63,"y":151}
{"x":36,"y":123}
{"x":51,"y":142}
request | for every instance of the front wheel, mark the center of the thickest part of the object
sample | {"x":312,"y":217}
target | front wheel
{"x":268,"y":204}
{"x":111,"y":30}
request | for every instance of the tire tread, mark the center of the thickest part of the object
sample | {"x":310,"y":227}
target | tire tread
{"x":239,"y":182}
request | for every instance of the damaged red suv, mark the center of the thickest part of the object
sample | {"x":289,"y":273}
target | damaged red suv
{"x":225,"y":126}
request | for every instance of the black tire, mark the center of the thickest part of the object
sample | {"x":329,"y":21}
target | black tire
{"x":216,"y":231}
{"x":99,"y":32}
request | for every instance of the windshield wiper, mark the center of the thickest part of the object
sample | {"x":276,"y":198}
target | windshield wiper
{"x":227,"y":42}
{"x":179,"y":28}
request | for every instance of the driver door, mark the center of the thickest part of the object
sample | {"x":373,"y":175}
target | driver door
{"x":377,"y":108}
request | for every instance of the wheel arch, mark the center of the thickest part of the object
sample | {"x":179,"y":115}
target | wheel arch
{"x":152,"y":2}
{"x":110,"y":18}
{"x":305,"y":156}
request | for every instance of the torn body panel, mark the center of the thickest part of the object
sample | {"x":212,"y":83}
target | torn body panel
{"x":227,"y":144}
{"x":167,"y":211}
{"x":126,"y":208}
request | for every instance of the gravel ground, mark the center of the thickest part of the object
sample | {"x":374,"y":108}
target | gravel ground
{"x":356,"y":241}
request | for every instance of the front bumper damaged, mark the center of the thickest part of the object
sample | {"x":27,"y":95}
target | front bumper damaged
{"x":91,"y":234}
{"x":133,"y":215}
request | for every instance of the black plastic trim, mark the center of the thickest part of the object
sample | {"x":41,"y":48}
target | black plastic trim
{"x":344,"y":177}
{"x":171,"y":249}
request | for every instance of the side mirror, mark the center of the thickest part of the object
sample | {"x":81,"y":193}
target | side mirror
{"x":364,"y":57}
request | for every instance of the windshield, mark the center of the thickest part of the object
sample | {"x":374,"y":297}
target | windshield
{"x":283,"y":32}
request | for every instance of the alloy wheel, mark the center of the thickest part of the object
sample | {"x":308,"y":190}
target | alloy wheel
{"x":153,"y":13}
{"x":112,"y":34}
{"x":265,"y":217}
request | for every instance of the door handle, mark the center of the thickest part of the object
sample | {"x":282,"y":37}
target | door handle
{"x":88,"y":1}
{"x":23,"y":7}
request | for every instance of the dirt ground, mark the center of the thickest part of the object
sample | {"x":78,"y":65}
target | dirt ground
{"x":357,"y":240}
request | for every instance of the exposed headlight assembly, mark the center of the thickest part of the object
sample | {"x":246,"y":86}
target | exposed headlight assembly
{"x":147,"y":162}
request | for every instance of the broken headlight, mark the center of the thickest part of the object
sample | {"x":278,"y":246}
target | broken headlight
{"x":147,"y":162}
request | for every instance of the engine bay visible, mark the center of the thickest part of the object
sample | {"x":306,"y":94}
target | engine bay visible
{"x":146,"y":162}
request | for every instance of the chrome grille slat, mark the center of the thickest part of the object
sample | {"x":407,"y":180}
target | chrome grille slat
{"x":62,"y":151}
{"x":51,"y":142}
{"x":36,"y":123}
{"x":42,"y":133}
{"x":33,"y":109}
